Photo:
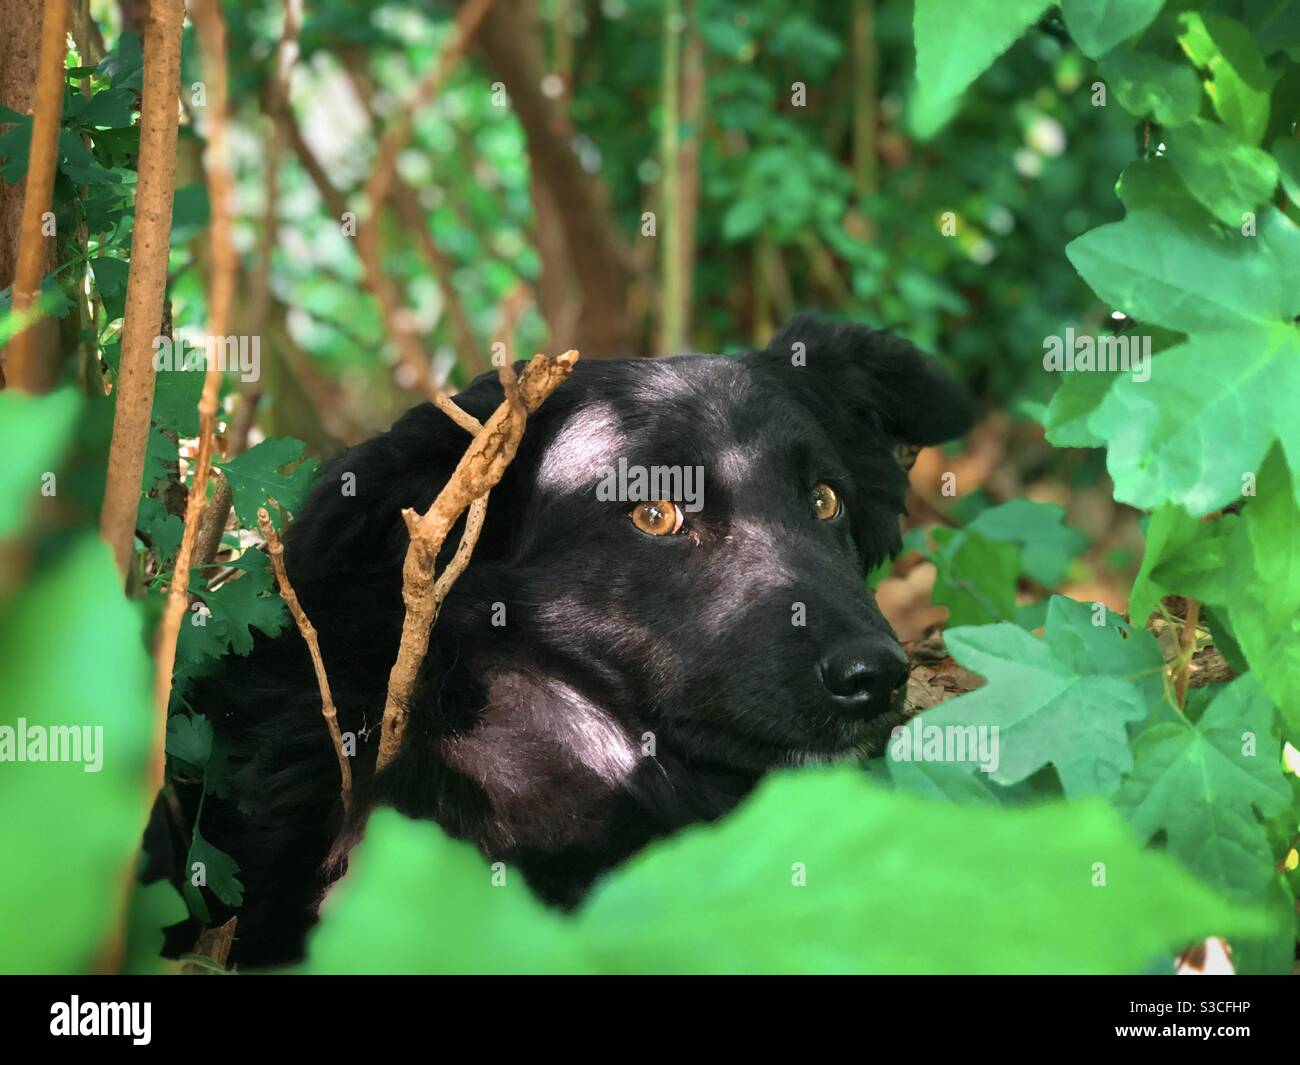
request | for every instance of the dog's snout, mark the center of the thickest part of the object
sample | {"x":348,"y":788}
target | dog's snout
{"x":862,"y":675}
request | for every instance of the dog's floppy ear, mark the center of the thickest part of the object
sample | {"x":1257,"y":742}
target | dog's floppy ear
{"x":858,"y":380}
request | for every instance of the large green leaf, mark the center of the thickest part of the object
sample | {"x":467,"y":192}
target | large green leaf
{"x":1047,"y":543}
{"x":34,"y":433}
{"x":890,"y":883}
{"x":956,"y":43}
{"x":68,"y":833}
{"x":1214,"y":405}
{"x":1183,"y":556}
{"x":1098,"y":25}
{"x":975,"y":577}
{"x":1264,"y":601}
{"x":1064,"y":700}
{"x":415,"y":901}
{"x":1206,"y":785}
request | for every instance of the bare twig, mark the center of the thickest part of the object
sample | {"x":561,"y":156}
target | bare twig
{"x":380,"y":185}
{"x":481,"y":467}
{"x":225,"y":263}
{"x":147,"y":281}
{"x":308,"y":630}
{"x":25,"y":369}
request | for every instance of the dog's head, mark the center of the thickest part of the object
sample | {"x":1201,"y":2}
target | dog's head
{"x":684,"y":542}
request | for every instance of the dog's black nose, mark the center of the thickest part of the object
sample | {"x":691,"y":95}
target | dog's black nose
{"x":863,"y":675}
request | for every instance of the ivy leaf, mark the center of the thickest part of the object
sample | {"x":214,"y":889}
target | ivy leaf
{"x":1239,"y":82}
{"x":1047,"y":543}
{"x":256,"y":476}
{"x":111,"y":107}
{"x":1097,"y":26}
{"x":975,"y":577}
{"x":35,"y":431}
{"x":1073,"y":403}
{"x":1064,"y":700}
{"x":1287,"y":154}
{"x":955,"y":44}
{"x":963,"y":889}
{"x":1206,"y":785}
{"x":1226,"y":175}
{"x":124,"y":65}
{"x":1150,"y":87}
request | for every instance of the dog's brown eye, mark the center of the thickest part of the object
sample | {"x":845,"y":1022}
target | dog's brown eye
{"x":658,"y":518}
{"x":826,"y":504}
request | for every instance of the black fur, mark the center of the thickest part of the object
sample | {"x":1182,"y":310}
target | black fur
{"x":527,"y":738}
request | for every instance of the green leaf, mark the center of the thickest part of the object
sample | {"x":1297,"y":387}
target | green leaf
{"x":1226,"y":175}
{"x":1163,"y":270}
{"x":1097,"y":26}
{"x":1177,"y":438}
{"x":955,"y":44}
{"x":124,"y":65}
{"x":975,"y":577}
{"x":1287,"y":154}
{"x":245,"y":603}
{"x":1206,"y":785}
{"x":1064,"y":700}
{"x":71,"y":830}
{"x":1060,"y":888}
{"x":1150,"y":87}
{"x":1048,"y":544}
{"x":1264,"y":607}
{"x":1183,"y":556}
{"x":1154,"y":184}
{"x":415,"y":901}
{"x":964,"y":889}
{"x":255,"y":476}
{"x":110,"y":280}
{"x":163,"y":528}
{"x":1239,"y":82}
{"x":1073,"y":402}
{"x":34,"y":435}
{"x":189,"y":738}
{"x":218,"y":872}
{"x":111,"y":107}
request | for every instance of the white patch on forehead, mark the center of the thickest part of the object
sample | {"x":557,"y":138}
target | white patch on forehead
{"x":736,"y":462}
{"x":590,"y":439}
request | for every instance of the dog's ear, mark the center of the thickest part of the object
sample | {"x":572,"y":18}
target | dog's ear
{"x":860,"y":381}
{"x":351,"y":522}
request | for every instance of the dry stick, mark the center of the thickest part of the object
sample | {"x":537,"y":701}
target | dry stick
{"x":1186,"y":650}
{"x":479,"y":469}
{"x":382,"y":179}
{"x":308,"y":630}
{"x":25,"y":370}
{"x":147,"y":281}
{"x":225,"y":263}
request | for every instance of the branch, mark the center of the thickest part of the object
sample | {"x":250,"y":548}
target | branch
{"x":24,"y":360}
{"x":225,"y":262}
{"x":308,"y":631}
{"x":147,"y":280}
{"x":479,"y":470}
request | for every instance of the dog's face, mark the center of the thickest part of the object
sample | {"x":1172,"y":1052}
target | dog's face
{"x":690,"y":539}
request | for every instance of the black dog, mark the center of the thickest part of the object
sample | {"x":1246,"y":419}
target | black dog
{"x":606,"y":670}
